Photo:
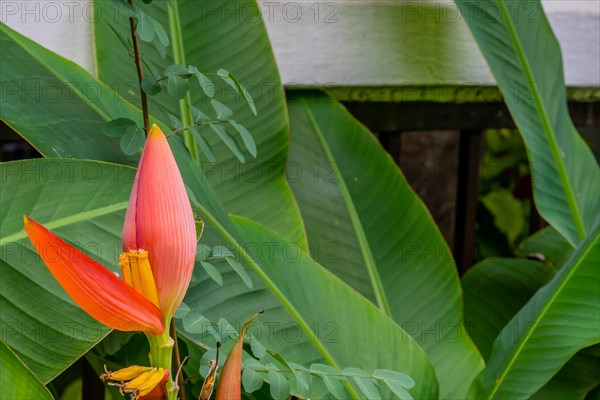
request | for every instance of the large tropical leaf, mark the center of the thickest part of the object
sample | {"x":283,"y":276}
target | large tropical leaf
{"x":330,"y":322}
{"x":366,"y":225}
{"x":213,"y":35}
{"x":548,"y":246}
{"x":289,"y":286}
{"x":576,"y":379}
{"x":84,"y":203}
{"x":16,"y":380}
{"x":60,"y":109}
{"x":56,"y":105}
{"x":525,"y":58}
{"x":495,"y":290}
{"x":561,"y":318}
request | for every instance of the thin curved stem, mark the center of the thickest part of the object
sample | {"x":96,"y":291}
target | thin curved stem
{"x":177,"y":361}
{"x":140,"y":70}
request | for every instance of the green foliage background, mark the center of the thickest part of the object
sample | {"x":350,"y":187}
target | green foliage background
{"x":382,"y":295}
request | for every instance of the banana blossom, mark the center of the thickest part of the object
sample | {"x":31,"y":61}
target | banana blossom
{"x":159,"y":248}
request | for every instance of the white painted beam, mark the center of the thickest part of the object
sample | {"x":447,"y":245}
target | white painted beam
{"x":373,"y":43}
{"x":353,"y":43}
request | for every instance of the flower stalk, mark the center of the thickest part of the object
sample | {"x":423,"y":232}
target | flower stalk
{"x":161,"y":350}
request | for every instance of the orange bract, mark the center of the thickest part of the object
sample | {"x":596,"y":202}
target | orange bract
{"x":230,"y":381}
{"x":97,"y":290}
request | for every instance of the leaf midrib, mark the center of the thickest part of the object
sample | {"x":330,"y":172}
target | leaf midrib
{"x":179,"y":58}
{"x":533,"y":326}
{"x":71,"y":219}
{"x":363,"y":242}
{"x":547,"y":126}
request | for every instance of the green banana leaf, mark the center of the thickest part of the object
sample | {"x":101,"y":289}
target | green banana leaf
{"x":494,"y":291}
{"x":286,"y":283}
{"x":366,"y":336}
{"x":60,"y":109}
{"x":524,"y":56}
{"x":367,"y":226}
{"x":300,"y":333}
{"x":56,"y":105}
{"x":576,"y":379}
{"x":548,"y":246}
{"x":561,"y":319}
{"x":16,"y":380}
{"x":85,"y":204}
{"x":213,"y":35}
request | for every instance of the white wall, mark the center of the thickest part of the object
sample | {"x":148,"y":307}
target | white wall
{"x":62,"y":26}
{"x":321,"y":53}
